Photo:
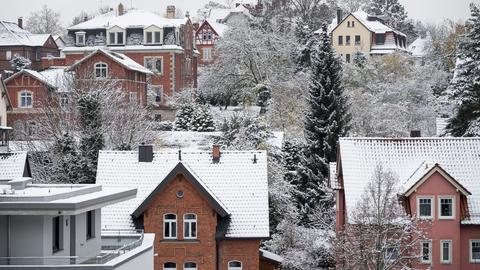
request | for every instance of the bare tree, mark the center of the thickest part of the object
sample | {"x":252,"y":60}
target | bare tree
{"x":45,"y":21}
{"x":379,"y":234}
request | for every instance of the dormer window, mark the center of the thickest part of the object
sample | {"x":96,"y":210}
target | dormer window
{"x":80,"y":38}
{"x":116,"y":36}
{"x":153,"y":35}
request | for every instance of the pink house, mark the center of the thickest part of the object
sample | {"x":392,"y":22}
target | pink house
{"x":439,"y":180}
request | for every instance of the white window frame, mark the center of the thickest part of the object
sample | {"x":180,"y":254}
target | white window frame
{"x":169,"y":268}
{"x":189,"y":223}
{"x":190,"y":268}
{"x":235,"y":267}
{"x":115,"y":30}
{"x":169,"y":224}
{"x":205,"y":54}
{"x":439,"y":200}
{"x":77,"y":37}
{"x":429,"y":261}
{"x":153,"y":69}
{"x":449,"y":242}
{"x":20,"y":99}
{"x":8,"y":55}
{"x":96,"y":66}
{"x":432,"y":207}
{"x":470,"y":250}
{"x":153,"y":29}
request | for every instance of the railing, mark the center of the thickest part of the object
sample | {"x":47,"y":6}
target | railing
{"x":114,"y":244}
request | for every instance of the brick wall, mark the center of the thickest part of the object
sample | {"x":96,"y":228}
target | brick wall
{"x":245,"y":251}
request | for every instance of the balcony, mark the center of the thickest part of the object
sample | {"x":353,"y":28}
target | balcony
{"x":118,"y":248}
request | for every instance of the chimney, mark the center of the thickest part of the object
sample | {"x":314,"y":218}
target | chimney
{"x":121,"y":9}
{"x":20,"y":22}
{"x":216,"y":153}
{"x":339,"y":16}
{"x":170,"y":12}
{"x":415,"y":133}
{"x":145,"y":153}
{"x":237,"y":5}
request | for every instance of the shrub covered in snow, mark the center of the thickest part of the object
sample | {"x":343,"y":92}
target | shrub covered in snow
{"x":194,"y":117}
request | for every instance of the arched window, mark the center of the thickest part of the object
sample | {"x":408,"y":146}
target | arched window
{"x":170,"y":226}
{"x":169,"y":266}
{"x":235,"y":265}
{"x":190,"y":266}
{"x":189,"y":226}
{"x":101,"y":70}
{"x":25,"y":99}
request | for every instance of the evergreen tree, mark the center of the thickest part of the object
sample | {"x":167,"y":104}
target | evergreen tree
{"x":184,"y":117}
{"x":465,"y":86}
{"x":359,"y":59}
{"x":303,"y":35}
{"x":395,"y":16}
{"x":326,"y":120}
{"x":19,"y":62}
{"x":69,"y":160}
{"x":91,"y":138}
{"x":194,"y":117}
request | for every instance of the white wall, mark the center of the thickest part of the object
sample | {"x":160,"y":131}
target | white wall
{"x":87,"y":248}
{"x":26,"y":236}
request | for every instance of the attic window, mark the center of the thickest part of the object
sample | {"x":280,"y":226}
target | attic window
{"x":80,"y":38}
{"x":116,"y":38}
{"x":153,"y":37}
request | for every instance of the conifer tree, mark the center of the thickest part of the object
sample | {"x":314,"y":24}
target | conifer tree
{"x":184,"y":117}
{"x":304,"y":39}
{"x":91,"y":138}
{"x":326,"y":120}
{"x":19,"y":62}
{"x":69,"y":160}
{"x":465,"y":86}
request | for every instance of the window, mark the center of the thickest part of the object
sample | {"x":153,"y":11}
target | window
{"x":446,"y":251}
{"x":158,"y":117}
{"x":340,"y":40}
{"x":133,"y":97}
{"x":446,"y":208}
{"x":116,"y":37}
{"x":169,"y":266}
{"x":353,"y":23}
{"x":90,"y":224}
{"x":101,"y":70}
{"x":32,"y":128}
{"x":170,"y":226}
{"x":155,"y":64}
{"x":80,"y":38}
{"x":426,"y":251}
{"x":38,"y":55}
{"x":8,"y":55}
{"x":26,"y":99}
{"x":207,"y":54}
{"x":425,"y":207}
{"x":379,"y":39}
{"x":112,"y":38}
{"x":348,"y":24}
{"x":209,"y":36}
{"x":347,"y":40}
{"x":475,"y":251}
{"x":158,"y":93}
{"x":190,"y":226}
{"x":63,"y":101}
{"x":347,"y":57}
{"x":149,"y":38}
{"x":235,"y":265}
{"x":158,"y":38}
{"x":119,"y":37}
{"x":153,"y":37}
{"x":56,"y":234}
{"x":357,"y":40}
{"x":190,"y":266}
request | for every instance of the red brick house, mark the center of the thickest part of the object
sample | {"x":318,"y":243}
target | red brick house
{"x":439,"y":182}
{"x":31,"y":90}
{"x":5,"y":103}
{"x":164,"y":45}
{"x":17,"y":41}
{"x":208,"y":210}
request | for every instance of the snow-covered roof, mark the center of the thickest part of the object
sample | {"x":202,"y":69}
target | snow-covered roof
{"x":12,"y":165}
{"x":270,"y":256}
{"x":237,"y":181}
{"x":12,"y":35}
{"x":459,"y":157}
{"x":121,"y":59}
{"x":126,"y":48}
{"x":419,"y":47}
{"x":131,"y":19}
{"x":54,"y":77}
{"x":373,"y":25}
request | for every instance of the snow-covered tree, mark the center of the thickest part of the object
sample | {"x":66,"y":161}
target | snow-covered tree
{"x":245,"y":132}
{"x":184,"y":117}
{"x":465,"y":86}
{"x":395,"y":16}
{"x":379,"y":234}
{"x":327,"y":119}
{"x":19,"y":62}
{"x":44,"y":21}
{"x":443,"y":48}
{"x":390,"y":96}
{"x":194,"y":117}
{"x":359,"y":59}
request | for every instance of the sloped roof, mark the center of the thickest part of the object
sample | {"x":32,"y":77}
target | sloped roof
{"x":12,"y":165}
{"x":239,"y":183}
{"x":12,"y":35}
{"x":54,"y":77}
{"x":459,"y":157}
{"x":131,"y":19}
{"x":120,"y":58}
{"x":419,"y":47}
{"x":372,"y":25}
{"x":4,"y":93}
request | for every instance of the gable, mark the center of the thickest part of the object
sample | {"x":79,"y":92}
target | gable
{"x":181,"y":171}
{"x":344,"y":24}
{"x":205,"y":26}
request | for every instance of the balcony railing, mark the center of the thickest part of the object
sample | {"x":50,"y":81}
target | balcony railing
{"x":114,"y":244}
